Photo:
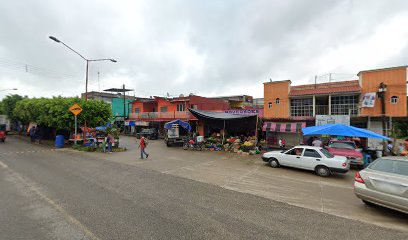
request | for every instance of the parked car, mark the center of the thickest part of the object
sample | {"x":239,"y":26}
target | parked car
{"x":310,"y":158}
{"x":347,"y":149}
{"x":149,"y":133}
{"x":384,"y":182}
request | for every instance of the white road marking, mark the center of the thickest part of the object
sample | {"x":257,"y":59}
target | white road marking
{"x":3,"y":165}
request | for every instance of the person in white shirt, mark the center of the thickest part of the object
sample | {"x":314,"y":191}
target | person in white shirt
{"x":317,"y":142}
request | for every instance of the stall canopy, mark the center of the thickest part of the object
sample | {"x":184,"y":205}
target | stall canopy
{"x":294,"y":127}
{"x":341,"y":130}
{"x":179,"y":122}
{"x":218,"y":115}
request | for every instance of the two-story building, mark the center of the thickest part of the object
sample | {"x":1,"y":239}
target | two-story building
{"x":288,"y":108}
{"x":156,"y":111}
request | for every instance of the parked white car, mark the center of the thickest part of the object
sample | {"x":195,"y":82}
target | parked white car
{"x":310,"y":158}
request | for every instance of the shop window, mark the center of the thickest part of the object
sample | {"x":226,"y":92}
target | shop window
{"x":270,"y":105}
{"x":137,"y":110}
{"x":394,"y":99}
{"x":277,"y":101}
{"x":163,"y":109}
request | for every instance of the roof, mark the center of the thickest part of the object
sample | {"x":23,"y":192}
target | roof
{"x":381,"y":69}
{"x":218,"y":115}
{"x":278,"y":81}
{"x":325,"y":88}
{"x":118,"y":90}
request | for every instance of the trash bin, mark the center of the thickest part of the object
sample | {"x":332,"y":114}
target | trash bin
{"x":59,"y":141}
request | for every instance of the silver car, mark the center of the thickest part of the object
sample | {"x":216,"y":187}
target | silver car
{"x":384,"y":182}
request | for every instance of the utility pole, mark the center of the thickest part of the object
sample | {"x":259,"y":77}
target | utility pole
{"x":381,"y":94}
{"x":124,"y":103}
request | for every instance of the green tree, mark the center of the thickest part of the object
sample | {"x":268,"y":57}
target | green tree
{"x":54,"y":112}
{"x":9,"y":103}
{"x":2,"y":112}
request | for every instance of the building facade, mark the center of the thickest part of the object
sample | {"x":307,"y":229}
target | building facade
{"x":285,"y":104}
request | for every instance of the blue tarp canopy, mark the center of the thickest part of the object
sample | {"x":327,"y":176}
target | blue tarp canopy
{"x":185,"y":125}
{"x":103,"y":128}
{"x":341,"y":130}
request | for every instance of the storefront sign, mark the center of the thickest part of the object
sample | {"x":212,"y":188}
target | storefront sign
{"x":368,"y":100}
{"x":144,"y":124}
{"x":244,"y":111}
{"x":332,"y":119}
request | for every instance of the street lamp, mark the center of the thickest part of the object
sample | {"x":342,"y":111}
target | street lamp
{"x":87,"y":67}
{"x":87,"y":62}
{"x":9,"y":89}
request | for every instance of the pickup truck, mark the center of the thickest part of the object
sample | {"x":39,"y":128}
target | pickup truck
{"x":347,"y":149}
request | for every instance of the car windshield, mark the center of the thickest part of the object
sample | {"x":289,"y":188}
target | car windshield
{"x":342,"y":145}
{"x":390,"y":166}
{"x":145,"y":131}
{"x":326,"y":153}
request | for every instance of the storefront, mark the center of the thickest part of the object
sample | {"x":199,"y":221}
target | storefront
{"x":290,"y":131}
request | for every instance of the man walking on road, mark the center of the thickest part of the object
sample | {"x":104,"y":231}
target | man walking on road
{"x":142,"y":146}
{"x":32,"y":134}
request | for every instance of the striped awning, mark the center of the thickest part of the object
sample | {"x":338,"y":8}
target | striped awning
{"x":294,"y":127}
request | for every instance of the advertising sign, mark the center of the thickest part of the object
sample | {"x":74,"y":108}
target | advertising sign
{"x":244,"y":111}
{"x":332,"y":119}
{"x":368,"y":100}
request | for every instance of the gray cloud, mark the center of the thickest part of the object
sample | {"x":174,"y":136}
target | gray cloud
{"x":206,"y":47}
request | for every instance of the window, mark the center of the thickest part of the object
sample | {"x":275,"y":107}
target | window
{"x":399,"y":167}
{"x":394,"y":99}
{"x":342,"y":145}
{"x":193,"y":106}
{"x":344,"y":105}
{"x":277,"y":101}
{"x":295,"y":151}
{"x":163,"y":109}
{"x":270,"y":105}
{"x":181,"y":108}
{"x":326,"y":153}
{"x":137,"y":110}
{"x":311,"y":153}
{"x":301,"y":107}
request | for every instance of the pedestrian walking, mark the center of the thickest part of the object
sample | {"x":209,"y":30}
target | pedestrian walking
{"x":32,"y":133}
{"x":142,"y":146}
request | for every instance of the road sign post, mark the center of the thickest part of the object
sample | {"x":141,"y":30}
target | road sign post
{"x":75,"y":109}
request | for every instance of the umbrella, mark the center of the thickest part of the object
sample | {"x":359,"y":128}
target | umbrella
{"x":341,"y":130}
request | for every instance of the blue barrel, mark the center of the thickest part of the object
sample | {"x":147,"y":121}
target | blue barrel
{"x":59,"y":141}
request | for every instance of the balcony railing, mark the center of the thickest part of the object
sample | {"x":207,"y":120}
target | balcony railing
{"x":161,"y":115}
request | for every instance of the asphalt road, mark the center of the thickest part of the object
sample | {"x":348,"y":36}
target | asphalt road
{"x":49,"y":194}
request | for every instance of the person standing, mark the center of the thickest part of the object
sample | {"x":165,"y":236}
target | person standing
{"x":110,"y":139}
{"x":142,"y":146}
{"x":32,"y":134}
{"x":317,"y":142}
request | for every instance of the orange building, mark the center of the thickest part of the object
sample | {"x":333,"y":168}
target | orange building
{"x":286,"y":105}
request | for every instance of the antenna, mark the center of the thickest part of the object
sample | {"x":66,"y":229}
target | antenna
{"x":99,"y":86}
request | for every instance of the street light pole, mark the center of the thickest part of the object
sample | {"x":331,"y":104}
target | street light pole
{"x":87,"y":69}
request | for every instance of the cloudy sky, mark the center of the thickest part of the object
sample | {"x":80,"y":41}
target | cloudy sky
{"x":210,"y":48}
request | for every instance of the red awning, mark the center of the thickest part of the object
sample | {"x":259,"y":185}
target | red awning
{"x":294,"y":127}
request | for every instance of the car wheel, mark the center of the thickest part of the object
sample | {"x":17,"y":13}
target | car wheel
{"x":322,"y":171}
{"x":273,"y":162}
{"x":149,"y":137}
{"x":185,"y":146}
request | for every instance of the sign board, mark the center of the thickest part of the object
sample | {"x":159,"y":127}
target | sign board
{"x":243,"y":111}
{"x":332,"y":119}
{"x":144,"y":124}
{"x":75,"y":109}
{"x":368,"y":100}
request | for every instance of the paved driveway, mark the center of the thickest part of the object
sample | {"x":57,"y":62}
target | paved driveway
{"x":249,"y":174}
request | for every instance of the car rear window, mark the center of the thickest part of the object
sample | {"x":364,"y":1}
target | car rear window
{"x":390,"y":166}
{"x":326,"y":153}
{"x":342,"y":145}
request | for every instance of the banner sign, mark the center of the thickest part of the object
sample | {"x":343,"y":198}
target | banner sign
{"x":332,"y":119}
{"x":368,"y":100}
{"x":244,"y":111}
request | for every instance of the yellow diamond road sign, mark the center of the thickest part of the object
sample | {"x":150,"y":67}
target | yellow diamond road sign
{"x":75,"y":109}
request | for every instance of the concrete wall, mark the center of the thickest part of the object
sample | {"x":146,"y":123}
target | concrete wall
{"x":272,"y":91}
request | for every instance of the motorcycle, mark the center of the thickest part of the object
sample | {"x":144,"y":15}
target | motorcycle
{"x":191,"y":144}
